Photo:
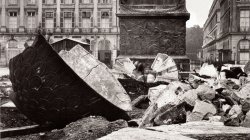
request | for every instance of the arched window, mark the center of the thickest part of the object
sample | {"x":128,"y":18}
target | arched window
{"x":104,"y":45}
{"x":244,"y":48}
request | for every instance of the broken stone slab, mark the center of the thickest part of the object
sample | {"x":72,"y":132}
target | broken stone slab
{"x":124,"y":65}
{"x":97,"y":75}
{"x":208,"y":70}
{"x":174,"y":115}
{"x":155,"y":92}
{"x":142,"y":134}
{"x":234,"y":121}
{"x":246,"y":122}
{"x":9,"y":104}
{"x":168,"y":96}
{"x":245,"y":105}
{"x":163,"y":62}
{"x":147,"y":119}
{"x":205,"y":92}
{"x":235,"y":111}
{"x":244,"y":92}
{"x":163,"y":95}
{"x":166,"y":76}
{"x":190,"y":97}
{"x":205,"y":130}
{"x":165,"y":68}
{"x":194,"y":117}
{"x":201,"y":109}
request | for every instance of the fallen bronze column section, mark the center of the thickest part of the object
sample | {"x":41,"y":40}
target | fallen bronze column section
{"x":49,"y":91}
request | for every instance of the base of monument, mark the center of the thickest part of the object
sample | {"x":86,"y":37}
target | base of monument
{"x":182,"y":62}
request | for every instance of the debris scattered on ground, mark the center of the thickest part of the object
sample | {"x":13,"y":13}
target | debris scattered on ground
{"x":158,"y":96}
{"x":11,"y":117}
{"x":89,"y":128}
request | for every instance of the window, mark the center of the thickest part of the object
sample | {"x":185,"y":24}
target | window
{"x":13,"y":2}
{"x":86,"y":1}
{"x":244,"y":51}
{"x":87,"y":19}
{"x":105,"y":19}
{"x":104,"y":1}
{"x":244,"y":57}
{"x":13,"y":20}
{"x":68,"y":17}
{"x":244,"y":20}
{"x":31,"y":21}
{"x":49,"y":14}
{"x":12,"y":44}
{"x":49,"y":22}
{"x":31,"y":1}
{"x":67,"y":1}
{"x":49,"y":1}
{"x":244,"y":45}
{"x":67,"y":23}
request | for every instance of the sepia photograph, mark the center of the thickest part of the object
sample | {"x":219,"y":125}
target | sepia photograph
{"x":125,"y":69}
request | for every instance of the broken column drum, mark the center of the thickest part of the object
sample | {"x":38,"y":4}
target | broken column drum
{"x":150,"y":27}
{"x":49,"y":91}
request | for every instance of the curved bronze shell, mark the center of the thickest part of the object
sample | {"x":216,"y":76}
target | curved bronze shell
{"x":47,"y":90}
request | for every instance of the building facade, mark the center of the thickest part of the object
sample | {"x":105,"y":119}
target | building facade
{"x":91,"y":21}
{"x":227,"y":32}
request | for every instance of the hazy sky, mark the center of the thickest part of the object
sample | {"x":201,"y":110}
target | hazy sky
{"x":199,"y":11}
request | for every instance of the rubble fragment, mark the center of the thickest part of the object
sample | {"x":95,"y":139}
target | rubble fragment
{"x":124,"y":65}
{"x":246,"y":122}
{"x":165,"y":68}
{"x":244,"y":92}
{"x":208,"y":70}
{"x":155,"y":92}
{"x":205,"y":92}
{"x":235,"y":111}
{"x":174,"y":115}
{"x":201,"y":109}
{"x":190,"y":97}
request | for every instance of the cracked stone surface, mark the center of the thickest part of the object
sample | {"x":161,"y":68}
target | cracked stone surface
{"x":97,"y":75}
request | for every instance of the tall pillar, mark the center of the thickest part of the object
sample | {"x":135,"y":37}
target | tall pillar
{"x":21,"y":26}
{"x":40,"y":10}
{"x":76,"y":30}
{"x":114,"y":18}
{"x":58,"y":11}
{"x":95,"y":14}
{"x":3,"y":25}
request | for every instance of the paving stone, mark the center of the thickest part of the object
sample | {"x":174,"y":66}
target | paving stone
{"x":142,"y":134}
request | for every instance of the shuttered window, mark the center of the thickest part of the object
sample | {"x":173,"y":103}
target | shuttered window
{"x":105,"y":19}
{"x":87,"y":19}
{"x":245,"y":20}
{"x":31,"y":20}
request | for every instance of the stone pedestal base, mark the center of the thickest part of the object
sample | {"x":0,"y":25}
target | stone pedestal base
{"x":3,"y":29}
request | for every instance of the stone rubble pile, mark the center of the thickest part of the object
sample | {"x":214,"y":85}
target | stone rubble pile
{"x":213,"y":94}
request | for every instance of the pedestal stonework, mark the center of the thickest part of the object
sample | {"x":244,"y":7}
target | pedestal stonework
{"x":150,"y":27}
